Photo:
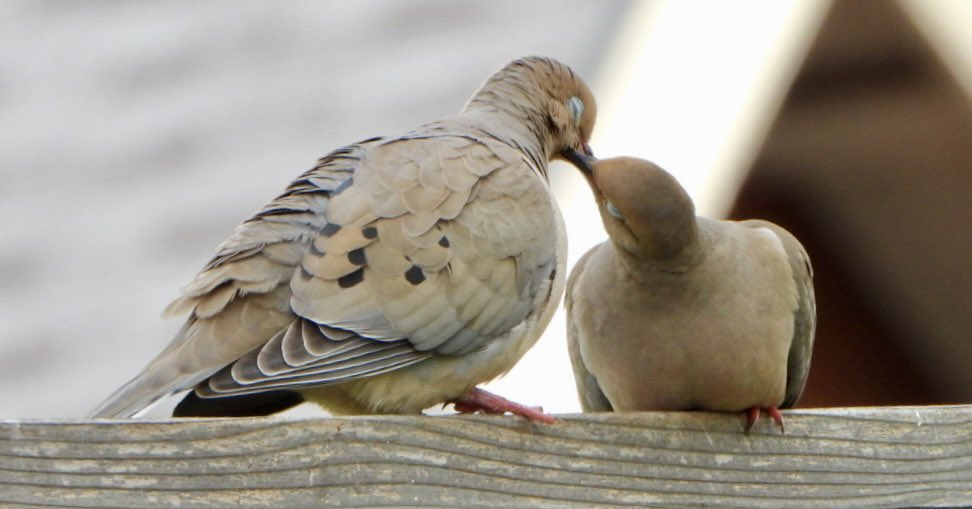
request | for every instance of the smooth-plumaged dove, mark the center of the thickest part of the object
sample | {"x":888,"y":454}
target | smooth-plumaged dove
{"x":679,"y":312}
{"x":397,"y":274}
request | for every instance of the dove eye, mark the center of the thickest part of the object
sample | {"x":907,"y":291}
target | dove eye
{"x":576,"y":109}
{"x":614,"y":211}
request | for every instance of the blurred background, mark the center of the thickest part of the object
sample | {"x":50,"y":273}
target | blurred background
{"x":135,"y":136}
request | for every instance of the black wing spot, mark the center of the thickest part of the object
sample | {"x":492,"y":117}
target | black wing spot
{"x":369,"y":232}
{"x":414,"y":275}
{"x":444,"y":241}
{"x":351,"y":279}
{"x":357,"y":256}
{"x":330,"y":229}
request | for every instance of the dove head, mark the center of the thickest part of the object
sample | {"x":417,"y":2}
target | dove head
{"x":645,"y":210}
{"x":544,"y":102}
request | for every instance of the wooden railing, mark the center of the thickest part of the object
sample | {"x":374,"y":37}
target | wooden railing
{"x":842,"y":457}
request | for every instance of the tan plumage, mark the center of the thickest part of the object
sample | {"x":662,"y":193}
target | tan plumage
{"x":680,"y":312}
{"x":399,"y":272}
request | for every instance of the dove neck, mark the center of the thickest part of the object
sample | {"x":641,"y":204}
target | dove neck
{"x":672,"y":255}
{"x":518,"y":124}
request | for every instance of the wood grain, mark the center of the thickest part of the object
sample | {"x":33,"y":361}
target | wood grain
{"x":864,"y":457}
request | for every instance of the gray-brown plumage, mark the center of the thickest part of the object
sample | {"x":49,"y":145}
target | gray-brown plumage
{"x":679,"y":312}
{"x":397,"y":274}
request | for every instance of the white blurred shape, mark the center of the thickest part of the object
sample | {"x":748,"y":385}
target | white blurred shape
{"x":946,"y":24}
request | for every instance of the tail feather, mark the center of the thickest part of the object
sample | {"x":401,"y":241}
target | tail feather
{"x":250,"y":405}
{"x":142,"y":391}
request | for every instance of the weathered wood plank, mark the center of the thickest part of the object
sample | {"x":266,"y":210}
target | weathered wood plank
{"x":865,"y":457}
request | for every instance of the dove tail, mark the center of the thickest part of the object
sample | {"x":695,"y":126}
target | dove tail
{"x":152,"y":384}
{"x":129,"y":399}
{"x":248,"y":405}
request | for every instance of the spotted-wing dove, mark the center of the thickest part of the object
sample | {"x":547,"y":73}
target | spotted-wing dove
{"x":398,"y":273}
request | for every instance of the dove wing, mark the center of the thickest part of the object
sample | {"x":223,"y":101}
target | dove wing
{"x":804,"y":316}
{"x":436,"y":245}
{"x":589,"y":392}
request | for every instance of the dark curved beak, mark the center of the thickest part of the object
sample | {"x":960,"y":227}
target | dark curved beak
{"x":582,"y":160}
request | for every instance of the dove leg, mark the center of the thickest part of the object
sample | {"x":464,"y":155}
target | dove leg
{"x":752,"y":415}
{"x":777,"y":417}
{"x":487,"y":402}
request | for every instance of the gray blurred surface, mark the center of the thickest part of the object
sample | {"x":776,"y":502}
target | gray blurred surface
{"x":135,"y":136}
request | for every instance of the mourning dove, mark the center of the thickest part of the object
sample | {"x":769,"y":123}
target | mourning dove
{"x":679,"y":312}
{"x":397,"y":274}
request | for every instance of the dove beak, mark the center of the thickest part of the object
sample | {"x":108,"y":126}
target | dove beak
{"x":583,"y":160}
